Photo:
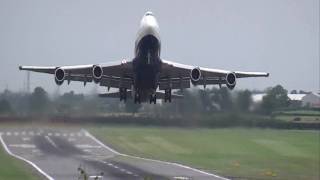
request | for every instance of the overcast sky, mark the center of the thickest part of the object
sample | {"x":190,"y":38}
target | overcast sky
{"x":276,"y":36}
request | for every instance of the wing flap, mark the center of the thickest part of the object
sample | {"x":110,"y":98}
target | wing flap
{"x":116,"y":82}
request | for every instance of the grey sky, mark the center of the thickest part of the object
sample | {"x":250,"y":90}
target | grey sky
{"x":277,"y":36}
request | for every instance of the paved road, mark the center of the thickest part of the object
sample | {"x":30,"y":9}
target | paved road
{"x":58,"y":153}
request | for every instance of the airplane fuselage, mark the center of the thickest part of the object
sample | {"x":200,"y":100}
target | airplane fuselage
{"x":147,"y":62}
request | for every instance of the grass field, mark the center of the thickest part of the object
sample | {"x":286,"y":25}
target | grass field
{"x":13,"y":169}
{"x":243,"y":153}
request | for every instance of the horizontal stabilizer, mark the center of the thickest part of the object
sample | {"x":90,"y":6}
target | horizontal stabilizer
{"x":160,"y":95}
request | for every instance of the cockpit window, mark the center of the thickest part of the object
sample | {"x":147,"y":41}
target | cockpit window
{"x":149,"y":13}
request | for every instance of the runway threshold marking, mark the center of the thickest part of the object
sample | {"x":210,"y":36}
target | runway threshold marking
{"x":23,"y":145}
{"x":23,"y":159}
{"x":153,"y":160}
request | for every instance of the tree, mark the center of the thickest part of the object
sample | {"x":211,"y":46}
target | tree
{"x":244,"y":100}
{"x":131,"y":107}
{"x":204,"y":97}
{"x":39,"y":101}
{"x":276,"y":98}
{"x":223,"y":98}
{"x":5,"y":107}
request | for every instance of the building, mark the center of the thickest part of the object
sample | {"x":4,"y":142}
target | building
{"x":311,"y":99}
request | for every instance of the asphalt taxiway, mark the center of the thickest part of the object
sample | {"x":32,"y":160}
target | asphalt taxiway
{"x":58,"y":153}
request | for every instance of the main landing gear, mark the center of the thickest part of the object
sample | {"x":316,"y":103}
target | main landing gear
{"x":137,"y":98}
{"x":167,"y":95}
{"x":153,"y":98}
{"x":123,"y":94}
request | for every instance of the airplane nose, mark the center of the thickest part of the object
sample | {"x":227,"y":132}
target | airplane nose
{"x":148,"y":13}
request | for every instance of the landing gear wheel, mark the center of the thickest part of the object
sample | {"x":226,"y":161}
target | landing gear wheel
{"x":153,"y":98}
{"x":167,"y":95}
{"x":137,"y":98}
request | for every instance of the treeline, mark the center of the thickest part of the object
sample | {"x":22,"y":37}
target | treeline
{"x":195,"y":101}
{"x":211,"y":107}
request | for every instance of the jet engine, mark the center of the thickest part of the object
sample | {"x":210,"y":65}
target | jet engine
{"x":97,"y":73}
{"x":59,"y":76}
{"x":231,"y":80}
{"x":195,"y":75}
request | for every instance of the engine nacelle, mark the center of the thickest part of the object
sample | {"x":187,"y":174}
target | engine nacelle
{"x":59,"y":76}
{"x":231,"y":80}
{"x":97,"y":73}
{"x":195,"y":75}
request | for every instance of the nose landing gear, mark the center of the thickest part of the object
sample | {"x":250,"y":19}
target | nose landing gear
{"x":167,"y":95}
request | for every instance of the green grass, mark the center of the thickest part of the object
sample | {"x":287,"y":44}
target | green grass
{"x":13,"y":169}
{"x":247,"y":153}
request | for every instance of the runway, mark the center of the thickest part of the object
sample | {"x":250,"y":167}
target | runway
{"x":58,"y":153}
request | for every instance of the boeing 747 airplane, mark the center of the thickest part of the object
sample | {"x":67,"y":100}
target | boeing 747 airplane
{"x":147,"y":76}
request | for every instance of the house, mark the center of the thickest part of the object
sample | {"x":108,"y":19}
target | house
{"x":311,"y":99}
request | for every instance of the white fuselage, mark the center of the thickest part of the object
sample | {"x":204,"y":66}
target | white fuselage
{"x":148,"y":26}
{"x":147,"y":62}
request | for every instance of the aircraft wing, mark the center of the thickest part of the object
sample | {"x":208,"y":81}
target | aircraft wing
{"x":115,"y":74}
{"x":177,"y":76}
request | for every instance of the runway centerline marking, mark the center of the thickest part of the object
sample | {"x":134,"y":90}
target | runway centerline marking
{"x":25,"y":138}
{"x":87,"y":146}
{"x":51,"y":142}
{"x":71,"y":139}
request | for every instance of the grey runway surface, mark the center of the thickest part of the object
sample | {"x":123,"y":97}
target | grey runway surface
{"x":57,"y":153}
